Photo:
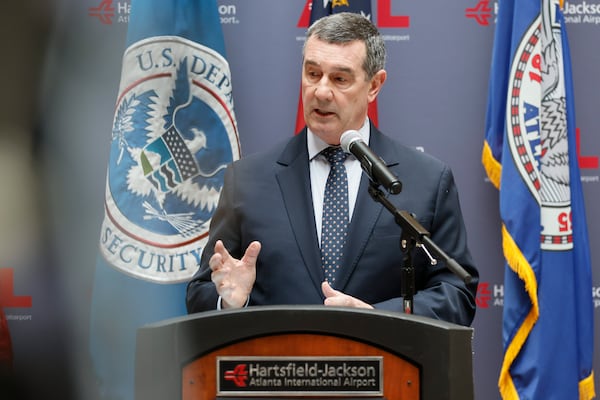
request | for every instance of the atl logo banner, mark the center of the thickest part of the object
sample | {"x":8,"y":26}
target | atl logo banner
{"x":7,"y":296}
{"x":385,"y":19}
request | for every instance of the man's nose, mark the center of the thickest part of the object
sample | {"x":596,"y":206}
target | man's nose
{"x":323,"y":90}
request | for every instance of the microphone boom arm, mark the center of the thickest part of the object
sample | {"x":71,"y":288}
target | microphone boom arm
{"x":414,"y":235}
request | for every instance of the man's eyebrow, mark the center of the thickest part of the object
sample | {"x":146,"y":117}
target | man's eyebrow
{"x":337,"y":68}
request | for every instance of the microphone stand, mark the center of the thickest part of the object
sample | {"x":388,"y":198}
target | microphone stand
{"x":414,"y":235}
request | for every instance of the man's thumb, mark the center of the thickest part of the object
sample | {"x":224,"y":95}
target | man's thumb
{"x":327,"y":290}
{"x":251,"y":253}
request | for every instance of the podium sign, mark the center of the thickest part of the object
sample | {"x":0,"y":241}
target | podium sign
{"x":377,"y":372}
{"x":322,"y":375}
{"x":309,"y":352}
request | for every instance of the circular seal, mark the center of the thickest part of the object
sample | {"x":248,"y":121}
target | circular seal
{"x":537,"y":131}
{"x":174,"y":133}
{"x":523,"y":108}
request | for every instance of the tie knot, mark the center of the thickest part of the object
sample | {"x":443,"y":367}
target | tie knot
{"x":335,"y":155}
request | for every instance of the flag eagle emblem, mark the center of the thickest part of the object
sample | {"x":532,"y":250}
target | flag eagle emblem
{"x":174,"y":133}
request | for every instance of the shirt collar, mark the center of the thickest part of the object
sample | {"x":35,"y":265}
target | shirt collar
{"x":315,"y":145}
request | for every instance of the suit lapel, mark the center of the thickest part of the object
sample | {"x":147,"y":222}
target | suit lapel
{"x":294,"y":182}
{"x":366,"y":211}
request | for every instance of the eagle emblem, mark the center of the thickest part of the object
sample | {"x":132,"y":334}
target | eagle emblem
{"x":173,"y":135}
{"x":537,"y":126}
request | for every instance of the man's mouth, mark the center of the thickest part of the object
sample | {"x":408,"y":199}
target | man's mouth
{"x":323,"y":113}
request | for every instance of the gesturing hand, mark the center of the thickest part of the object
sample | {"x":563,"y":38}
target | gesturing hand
{"x":234,"y":278}
{"x":336,"y":298}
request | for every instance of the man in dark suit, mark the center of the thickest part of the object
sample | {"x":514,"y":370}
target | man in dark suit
{"x":267,"y":235}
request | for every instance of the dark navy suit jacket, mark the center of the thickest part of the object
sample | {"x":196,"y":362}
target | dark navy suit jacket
{"x":267,"y":197}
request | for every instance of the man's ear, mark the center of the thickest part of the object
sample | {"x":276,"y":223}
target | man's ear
{"x":376,"y":84}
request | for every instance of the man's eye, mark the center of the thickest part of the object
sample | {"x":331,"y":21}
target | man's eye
{"x":313,"y":76}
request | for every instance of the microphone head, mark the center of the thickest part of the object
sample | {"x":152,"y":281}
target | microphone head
{"x":348,"y":138}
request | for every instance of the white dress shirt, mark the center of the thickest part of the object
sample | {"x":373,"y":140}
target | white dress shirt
{"x":319,"y":170}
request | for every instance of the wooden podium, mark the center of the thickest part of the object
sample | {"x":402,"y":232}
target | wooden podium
{"x":300,"y":352}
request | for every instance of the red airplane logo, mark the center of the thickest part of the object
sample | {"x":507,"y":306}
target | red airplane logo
{"x":105,"y":11}
{"x":239,"y":375}
{"x":481,"y":12}
{"x":484,"y":295}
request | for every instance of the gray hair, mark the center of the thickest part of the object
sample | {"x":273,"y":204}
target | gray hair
{"x":348,"y":27}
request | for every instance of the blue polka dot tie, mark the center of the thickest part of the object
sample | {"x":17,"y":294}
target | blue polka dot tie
{"x":335,"y":213}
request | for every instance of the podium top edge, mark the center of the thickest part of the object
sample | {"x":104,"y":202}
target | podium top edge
{"x":313,"y":310}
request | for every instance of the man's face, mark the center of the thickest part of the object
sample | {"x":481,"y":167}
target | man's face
{"x":335,"y":89}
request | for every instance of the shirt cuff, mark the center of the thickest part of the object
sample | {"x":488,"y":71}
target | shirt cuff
{"x":219,"y":303}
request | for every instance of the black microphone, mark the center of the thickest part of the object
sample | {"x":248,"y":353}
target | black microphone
{"x":371,"y":163}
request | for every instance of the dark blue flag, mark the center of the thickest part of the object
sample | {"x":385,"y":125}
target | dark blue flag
{"x":530,"y":156}
{"x":174,"y":131}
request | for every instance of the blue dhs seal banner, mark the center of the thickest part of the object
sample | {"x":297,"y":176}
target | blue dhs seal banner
{"x":529,"y":155}
{"x":173,"y":134}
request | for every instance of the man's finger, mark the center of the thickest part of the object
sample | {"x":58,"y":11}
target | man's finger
{"x":251,"y":254}
{"x":215,"y":262}
{"x":327,"y":290}
{"x":220,"y":249}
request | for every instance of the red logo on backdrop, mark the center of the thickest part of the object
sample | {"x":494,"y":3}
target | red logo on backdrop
{"x":588,"y":162}
{"x":7,"y":297}
{"x":385,"y":19}
{"x":239,"y":375}
{"x":480,"y":13}
{"x":484,"y":295}
{"x":104,"y":12}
